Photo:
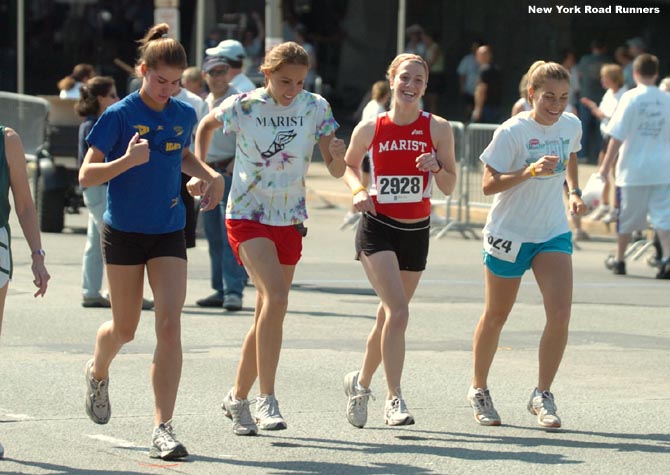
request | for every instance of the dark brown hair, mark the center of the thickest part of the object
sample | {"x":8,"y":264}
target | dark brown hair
{"x":646,"y":65}
{"x":95,"y":87}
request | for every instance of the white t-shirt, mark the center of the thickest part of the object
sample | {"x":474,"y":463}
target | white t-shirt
{"x":274,"y":148}
{"x":371,"y":110}
{"x":532,"y":211}
{"x":608,"y":105}
{"x":73,"y":93}
{"x":642,"y":122}
{"x":469,"y":67}
{"x":242,"y":83}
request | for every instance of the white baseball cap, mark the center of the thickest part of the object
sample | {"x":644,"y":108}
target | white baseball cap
{"x":231,"y":49}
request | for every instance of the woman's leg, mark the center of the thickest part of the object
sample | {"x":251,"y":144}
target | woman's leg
{"x":3,"y":297}
{"x":500,"y":295}
{"x":167,"y":277}
{"x":553,"y":272}
{"x":395,"y":289}
{"x":95,"y":199}
{"x":126,"y":284}
{"x":262,"y":345}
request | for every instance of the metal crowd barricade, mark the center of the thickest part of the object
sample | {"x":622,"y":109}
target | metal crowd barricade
{"x":441,"y":226}
{"x":471,"y":204}
{"x":476,"y":204}
{"x":27,"y":115}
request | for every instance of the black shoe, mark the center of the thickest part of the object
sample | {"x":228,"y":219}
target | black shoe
{"x":664,"y":270}
{"x":214,"y":300}
{"x":96,"y":302}
{"x":617,"y":267}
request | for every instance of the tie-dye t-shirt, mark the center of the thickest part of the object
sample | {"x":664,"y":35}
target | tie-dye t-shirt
{"x":274,"y":148}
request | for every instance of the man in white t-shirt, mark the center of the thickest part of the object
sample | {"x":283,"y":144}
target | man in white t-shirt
{"x":234,"y":53}
{"x":640,"y":134}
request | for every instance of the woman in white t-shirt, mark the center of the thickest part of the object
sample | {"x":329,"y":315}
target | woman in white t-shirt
{"x":526,"y":163}
{"x":276,"y":128}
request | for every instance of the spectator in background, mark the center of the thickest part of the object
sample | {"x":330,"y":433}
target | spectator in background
{"x":301,"y":39}
{"x":468,"y":76}
{"x":201,"y":110}
{"x":623,"y":58}
{"x":435,"y":59}
{"x":228,"y":277}
{"x":234,"y":54}
{"x":640,"y":135}
{"x":569,"y":62}
{"x":253,"y":40}
{"x":415,"y":43}
{"x":488,"y":93}
{"x":522,"y":104}
{"x":96,"y":95}
{"x":590,"y":87}
{"x":636,"y":47}
{"x":665,"y":84}
{"x":611,"y":77}
{"x":69,"y":85}
{"x":191,"y":80}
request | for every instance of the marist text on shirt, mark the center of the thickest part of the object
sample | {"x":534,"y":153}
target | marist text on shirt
{"x":403,"y":146}
{"x":281,"y":121}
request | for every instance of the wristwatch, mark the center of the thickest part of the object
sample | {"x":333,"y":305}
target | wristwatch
{"x":576,"y":192}
{"x":39,"y":252}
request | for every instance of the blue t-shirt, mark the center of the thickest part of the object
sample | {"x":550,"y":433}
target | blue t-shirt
{"x":146,"y":198}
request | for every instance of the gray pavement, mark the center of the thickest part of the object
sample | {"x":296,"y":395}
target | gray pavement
{"x":612,"y":389}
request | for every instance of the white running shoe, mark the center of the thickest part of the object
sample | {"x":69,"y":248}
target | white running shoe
{"x":238,"y":411}
{"x":482,"y":407}
{"x":96,"y":401}
{"x":357,"y":403}
{"x":600,"y":212}
{"x":542,"y":405}
{"x":268,"y":416}
{"x":396,"y":412}
{"x":164,"y":443}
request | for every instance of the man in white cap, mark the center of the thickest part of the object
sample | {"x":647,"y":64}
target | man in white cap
{"x":233,"y":52}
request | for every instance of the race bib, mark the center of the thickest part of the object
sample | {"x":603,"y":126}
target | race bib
{"x":503,"y":249}
{"x":400,"y":189}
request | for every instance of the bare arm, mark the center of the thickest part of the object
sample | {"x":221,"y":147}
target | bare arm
{"x":480,"y":97}
{"x":95,"y":171}
{"x":24,"y":206}
{"x":612,"y":151}
{"x":494,"y":181}
{"x":332,"y":150}
{"x":361,"y":138}
{"x":443,"y":140}
{"x":577,"y":206}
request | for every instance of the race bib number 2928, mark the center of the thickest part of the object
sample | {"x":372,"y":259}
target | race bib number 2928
{"x":400,"y":188}
{"x":503,"y":249}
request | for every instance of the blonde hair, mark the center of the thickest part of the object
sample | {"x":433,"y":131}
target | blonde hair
{"x":289,"y":52}
{"x":157,"y":48}
{"x":613,"y":72}
{"x":80,"y":73}
{"x":541,"y":71}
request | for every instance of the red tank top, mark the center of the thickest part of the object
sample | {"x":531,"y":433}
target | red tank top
{"x":398,"y":189}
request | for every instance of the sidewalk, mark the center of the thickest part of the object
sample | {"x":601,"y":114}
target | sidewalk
{"x":325,"y":191}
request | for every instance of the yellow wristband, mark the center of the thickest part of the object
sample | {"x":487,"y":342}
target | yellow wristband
{"x":358,"y":190}
{"x":532,"y":169}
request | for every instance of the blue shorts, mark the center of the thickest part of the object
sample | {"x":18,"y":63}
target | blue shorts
{"x":527,"y":252}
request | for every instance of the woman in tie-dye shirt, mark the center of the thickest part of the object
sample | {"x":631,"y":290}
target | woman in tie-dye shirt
{"x":277,"y":127}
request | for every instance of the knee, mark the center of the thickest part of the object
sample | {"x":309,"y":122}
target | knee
{"x":398,"y":318}
{"x":124,"y":334}
{"x":559,"y":318}
{"x":494,"y":318}
{"x":276,"y":301}
{"x":169,"y":331}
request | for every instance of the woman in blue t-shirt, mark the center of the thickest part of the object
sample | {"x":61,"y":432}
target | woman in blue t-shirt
{"x":140,"y":146}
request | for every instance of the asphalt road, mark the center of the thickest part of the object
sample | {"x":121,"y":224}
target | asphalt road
{"x":612,"y":390}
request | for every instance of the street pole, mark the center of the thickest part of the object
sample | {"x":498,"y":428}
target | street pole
{"x":20,"y":46}
{"x":402,"y":7}
{"x":273,"y":20}
{"x":199,"y":33}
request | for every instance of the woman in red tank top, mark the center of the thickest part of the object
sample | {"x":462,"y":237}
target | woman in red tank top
{"x":408,"y":147}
